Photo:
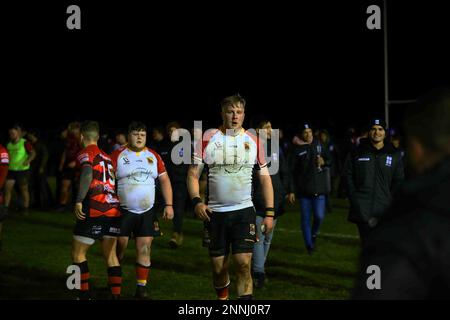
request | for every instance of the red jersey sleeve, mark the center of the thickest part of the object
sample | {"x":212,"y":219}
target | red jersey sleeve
{"x":200,"y":146}
{"x":4,"y":157}
{"x":260,"y":154}
{"x":115,"y":155}
{"x":28,"y":147}
{"x":85,"y":157}
{"x":159,"y":163}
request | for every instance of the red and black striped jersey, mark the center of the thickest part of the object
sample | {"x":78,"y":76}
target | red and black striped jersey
{"x":101,"y":199}
{"x":4,"y":163}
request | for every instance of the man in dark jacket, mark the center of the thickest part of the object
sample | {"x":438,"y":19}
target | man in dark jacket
{"x":372,"y":173}
{"x":282,"y":187}
{"x":411,"y":246}
{"x":307,"y":162}
{"x":178,"y":177}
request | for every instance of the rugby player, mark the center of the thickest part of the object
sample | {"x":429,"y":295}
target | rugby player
{"x":137,"y":168}
{"x":4,"y":163}
{"x":97,"y":211}
{"x":230,"y":154}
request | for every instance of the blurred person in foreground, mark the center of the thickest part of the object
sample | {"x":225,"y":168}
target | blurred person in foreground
{"x":411,"y":245}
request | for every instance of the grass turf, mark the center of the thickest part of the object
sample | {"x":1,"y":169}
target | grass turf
{"x":36,"y":253}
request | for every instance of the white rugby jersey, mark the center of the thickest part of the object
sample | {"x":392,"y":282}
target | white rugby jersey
{"x":136,"y":173}
{"x":230,"y":161}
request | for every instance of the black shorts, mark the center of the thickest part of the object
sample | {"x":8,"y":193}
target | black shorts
{"x":21,"y":177}
{"x":140,"y":225}
{"x":97,"y":228}
{"x":235,"y":229}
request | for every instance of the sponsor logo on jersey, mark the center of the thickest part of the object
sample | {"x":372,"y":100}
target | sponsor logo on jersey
{"x":111,"y":199}
{"x":247,"y":146}
{"x":140,"y":174}
{"x":108,"y":189}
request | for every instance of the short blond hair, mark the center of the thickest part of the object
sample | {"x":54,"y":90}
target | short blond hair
{"x":232,"y":101}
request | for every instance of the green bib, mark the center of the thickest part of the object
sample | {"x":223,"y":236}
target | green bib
{"x":17,"y":155}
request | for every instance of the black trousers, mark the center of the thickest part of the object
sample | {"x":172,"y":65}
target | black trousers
{"x":180,"y":195}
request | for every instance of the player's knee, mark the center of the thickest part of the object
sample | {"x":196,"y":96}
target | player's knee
{"x":78,"y":256}
{"x":144,"y":249}
{"x":243,"y":266}
{"x":219,"y":269}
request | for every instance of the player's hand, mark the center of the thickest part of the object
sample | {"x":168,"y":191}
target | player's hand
{"x":202,"y":211}
{"x":291,"y":198}
{"x":267,"y":225}
{"x":72,"y":164}
{"x":320,"y":161}
{"x":168,"y":213}
{"x":79,"y":211}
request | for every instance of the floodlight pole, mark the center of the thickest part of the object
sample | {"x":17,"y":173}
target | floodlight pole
{"x":386,"y":75}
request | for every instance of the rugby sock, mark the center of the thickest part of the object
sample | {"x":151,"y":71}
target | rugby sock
{"x":246,"y":297}
{"x":84,"y":283}
{"x":222,"y":292}
{"x":142,"y":274}
{"x":115,"y":280}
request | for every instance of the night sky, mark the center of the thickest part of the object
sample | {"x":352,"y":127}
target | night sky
{"x":292,"y":61}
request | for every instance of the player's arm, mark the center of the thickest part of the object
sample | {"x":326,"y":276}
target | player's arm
{"x":31,"y":153}
{"x":86,"y":177}
{"x":267,"y":191}
{"x":193,"y":177}
{"x":201,"y":209}
{"x":166,"y":190}
{"x":62,"y":161}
